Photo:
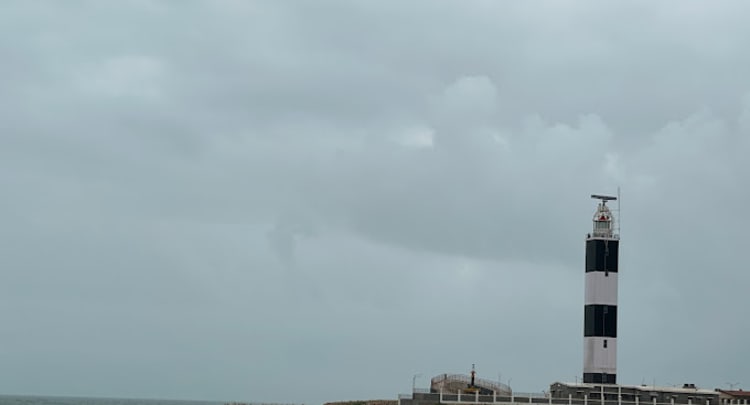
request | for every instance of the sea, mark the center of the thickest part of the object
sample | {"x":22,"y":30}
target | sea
{"x":37,"y":400}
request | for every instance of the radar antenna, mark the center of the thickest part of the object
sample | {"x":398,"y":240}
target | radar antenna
{"x":603,"y":198}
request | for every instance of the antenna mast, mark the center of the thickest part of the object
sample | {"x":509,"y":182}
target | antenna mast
{"x":619,"y":214}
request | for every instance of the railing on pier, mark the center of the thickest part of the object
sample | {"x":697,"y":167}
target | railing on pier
{"x":543,"y":398}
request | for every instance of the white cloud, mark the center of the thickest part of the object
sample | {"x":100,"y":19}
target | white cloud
{"x":416,"y":137}
{"x":132,"y":75}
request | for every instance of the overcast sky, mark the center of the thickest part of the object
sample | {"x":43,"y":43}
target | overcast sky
{"x":316,"y":200}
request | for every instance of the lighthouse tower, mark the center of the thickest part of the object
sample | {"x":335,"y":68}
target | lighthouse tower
{"x":600,"y":309}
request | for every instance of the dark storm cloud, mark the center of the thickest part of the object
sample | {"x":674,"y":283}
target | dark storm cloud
{"x":228,"y":199}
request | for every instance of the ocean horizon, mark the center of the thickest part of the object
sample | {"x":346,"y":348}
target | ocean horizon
{"x":76,"y":400}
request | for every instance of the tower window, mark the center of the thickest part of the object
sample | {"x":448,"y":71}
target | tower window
{"x":605,"y":343}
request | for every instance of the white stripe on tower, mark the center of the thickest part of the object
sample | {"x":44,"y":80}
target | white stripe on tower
{"x":600,"y":309}
{"x":601,"y":288}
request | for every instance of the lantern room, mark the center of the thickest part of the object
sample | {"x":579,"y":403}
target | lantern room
{"x":604,"y":223}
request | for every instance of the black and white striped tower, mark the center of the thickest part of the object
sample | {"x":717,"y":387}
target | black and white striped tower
{"x":600,"y":310}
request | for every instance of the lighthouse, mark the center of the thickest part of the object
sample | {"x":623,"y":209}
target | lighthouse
{"x":600,"y":308}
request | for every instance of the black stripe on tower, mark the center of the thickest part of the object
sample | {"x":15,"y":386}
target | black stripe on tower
{"x":599,"y":378}
{"x":601,"y":255}
{"x":600,"y":320}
